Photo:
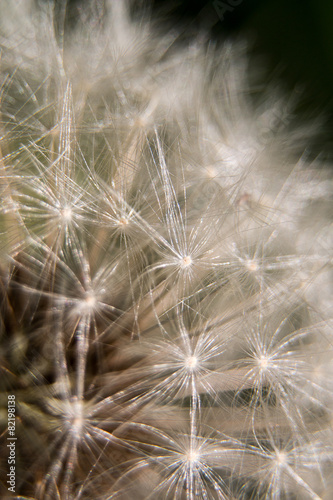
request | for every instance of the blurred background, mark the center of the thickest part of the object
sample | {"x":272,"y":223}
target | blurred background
{"x":291,"y":40}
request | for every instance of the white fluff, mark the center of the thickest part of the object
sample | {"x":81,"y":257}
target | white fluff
{"x":166,"y":265}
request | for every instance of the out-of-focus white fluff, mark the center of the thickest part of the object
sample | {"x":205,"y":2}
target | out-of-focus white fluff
{"x":166,"y":265}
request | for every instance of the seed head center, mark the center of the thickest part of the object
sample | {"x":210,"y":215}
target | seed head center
{"x":90,"y":301}
{"x":191,"y":363}
{"x":192,"y":457}
{"x":263,"y":362}
{"x":252,"y":265}
{"x":281,"y":458}
{"x":123,"y":221}
{"x":66,"y":214}
{"x":186,"y":261}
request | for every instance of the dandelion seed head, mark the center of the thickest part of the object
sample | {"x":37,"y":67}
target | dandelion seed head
{"x":191,"y":363}
{"x":74,"y":417}
{"x":90,"y":301}
{"x":193,"y":457}
{"x":88,"y":304}
{"x":252,"y":265}
{"x":168,"y":315}
{"x":186,"y":262}
{"x":66,"y":214}
{"x":123,"y":221}
{"x":281,"y":458}
{"x":263,"y":362}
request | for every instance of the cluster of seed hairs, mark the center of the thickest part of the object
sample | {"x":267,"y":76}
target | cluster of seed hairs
{"x":165,"y":267}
